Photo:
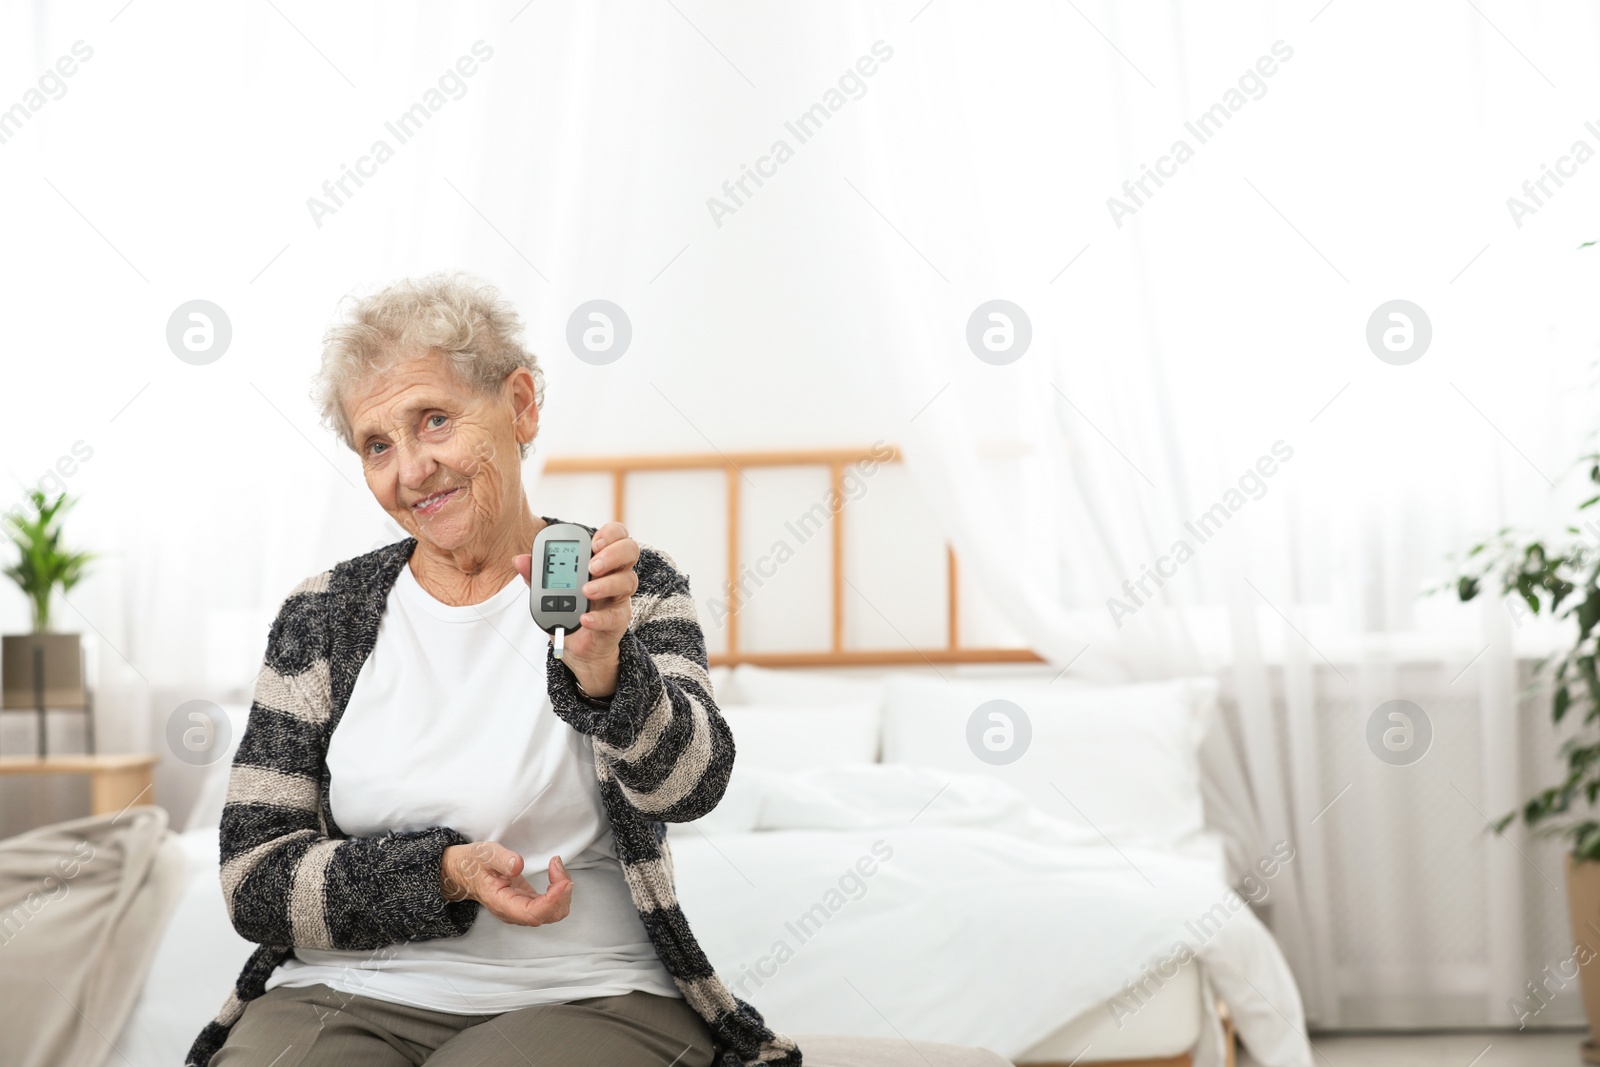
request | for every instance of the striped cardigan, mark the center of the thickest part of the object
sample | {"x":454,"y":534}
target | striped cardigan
{"x":291,"y":877}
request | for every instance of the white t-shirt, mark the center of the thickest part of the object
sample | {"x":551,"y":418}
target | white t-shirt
{"x":450,"y":724}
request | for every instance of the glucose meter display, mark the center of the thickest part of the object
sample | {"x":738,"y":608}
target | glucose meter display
{"x":561,"y":565}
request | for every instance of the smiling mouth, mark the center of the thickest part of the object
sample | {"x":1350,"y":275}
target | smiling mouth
{"x":430,"y":504}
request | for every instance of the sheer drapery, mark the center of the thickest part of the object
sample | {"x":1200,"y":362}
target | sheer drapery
{"x":1209,"y":347}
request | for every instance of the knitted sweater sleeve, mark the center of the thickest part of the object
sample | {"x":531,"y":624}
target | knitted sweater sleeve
{"x":662,"y":738}
{"x":286,"y":879}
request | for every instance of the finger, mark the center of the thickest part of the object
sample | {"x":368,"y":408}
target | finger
{"x":607,"y":621}
{"x":511,"y":899}
{"x":514,"y":891}
{"x":518,"y":909}
{"x":560,"y":905}
{"x":550,"y":907}
{"x":506,"y":862}
{"x":616,"y":556}
{"x":560,"y":889}
{"x":612,"y":614}
{"x":608,"y":533}
{"x":522,"y":890}
{"x":524,"y":565}
{"x":619,"y":585}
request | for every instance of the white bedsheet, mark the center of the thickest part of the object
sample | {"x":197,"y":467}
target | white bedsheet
{"x":989,"y":924}
{"x":992,"y":924}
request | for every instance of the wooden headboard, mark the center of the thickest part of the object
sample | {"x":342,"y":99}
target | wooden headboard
{"x":835,"y":460}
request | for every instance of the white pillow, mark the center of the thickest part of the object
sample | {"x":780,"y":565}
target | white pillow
{"x":750,"y":684}
{"x":739,"y":810}
{"x":719,"y":683}
{"x":1122,"y":760}
{"x":794,"y":736}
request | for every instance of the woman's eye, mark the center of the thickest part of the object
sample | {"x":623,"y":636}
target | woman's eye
{"x":440,"y":423}
{"x":372,"y":449}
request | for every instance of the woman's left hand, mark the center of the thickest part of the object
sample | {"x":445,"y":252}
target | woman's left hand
{"x":591,"y":650}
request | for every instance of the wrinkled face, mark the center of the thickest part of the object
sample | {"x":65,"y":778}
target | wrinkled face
{"x":439,"y":456}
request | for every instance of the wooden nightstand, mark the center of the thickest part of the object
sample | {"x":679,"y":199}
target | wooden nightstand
{"x":115,"y":782}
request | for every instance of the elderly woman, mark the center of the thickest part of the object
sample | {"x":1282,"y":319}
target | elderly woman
{"x":449,"y":845}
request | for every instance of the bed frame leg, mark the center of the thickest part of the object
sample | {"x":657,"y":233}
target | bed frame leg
{"x":1230,"y":1040}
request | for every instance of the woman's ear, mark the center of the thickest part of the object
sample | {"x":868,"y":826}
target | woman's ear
{"x":524,"y":405}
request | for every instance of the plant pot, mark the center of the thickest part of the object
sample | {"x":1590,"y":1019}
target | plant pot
{"x":59,"y":656}
{"x":1583,"y":909}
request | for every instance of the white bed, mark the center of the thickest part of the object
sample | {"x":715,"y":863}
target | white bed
{"x":992,"y":922}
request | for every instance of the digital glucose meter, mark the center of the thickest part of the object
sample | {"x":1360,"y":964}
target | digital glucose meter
{"x":561,"y":566}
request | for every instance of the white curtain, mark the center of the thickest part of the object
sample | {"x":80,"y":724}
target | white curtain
{"x":1226,"y":313}
{"x":1223,"y":323}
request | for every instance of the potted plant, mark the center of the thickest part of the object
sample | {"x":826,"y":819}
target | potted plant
{"x":42,"y":668}
{"x":1562,"y":581}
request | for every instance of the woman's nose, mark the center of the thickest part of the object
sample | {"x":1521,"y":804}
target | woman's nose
{"x":416,"y":465}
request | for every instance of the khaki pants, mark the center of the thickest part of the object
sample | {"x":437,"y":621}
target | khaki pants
{"x":315,"y":1026}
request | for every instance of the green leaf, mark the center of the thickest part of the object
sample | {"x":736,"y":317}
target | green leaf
{"x":42,"y":563}
{"x":1588,"y":614}
{"x":1564,"y":578}
{"x":1558,"y":592}
{"x":1585,"y":840}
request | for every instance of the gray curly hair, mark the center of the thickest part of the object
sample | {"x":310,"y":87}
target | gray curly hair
{"x":453,"y":314}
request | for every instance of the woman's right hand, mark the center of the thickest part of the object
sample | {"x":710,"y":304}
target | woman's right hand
{"x":491,"y":874}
